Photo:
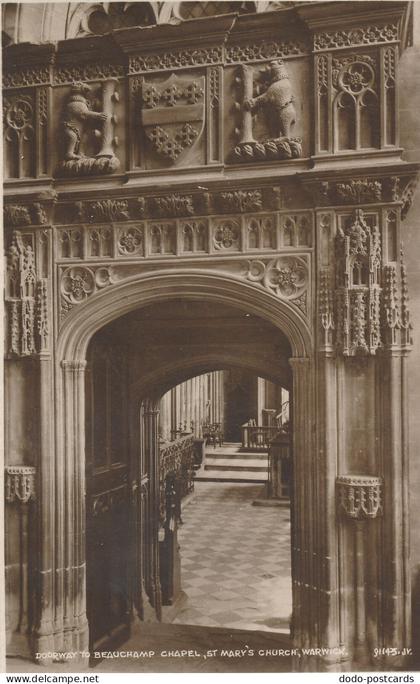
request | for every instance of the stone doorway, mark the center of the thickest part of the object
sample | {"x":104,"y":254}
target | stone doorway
{"x":127,"y":368}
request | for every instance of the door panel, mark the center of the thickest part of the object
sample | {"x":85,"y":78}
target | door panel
{"x":108,"y":521}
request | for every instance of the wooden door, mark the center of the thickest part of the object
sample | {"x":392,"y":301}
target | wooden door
{"x":108,"y":516}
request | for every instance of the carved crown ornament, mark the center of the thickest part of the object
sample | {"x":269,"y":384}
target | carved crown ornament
{"x":20,"y":484}
{"x":359,"y":497}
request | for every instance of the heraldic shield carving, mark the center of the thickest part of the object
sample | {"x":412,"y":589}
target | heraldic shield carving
{"x":173,"y":114}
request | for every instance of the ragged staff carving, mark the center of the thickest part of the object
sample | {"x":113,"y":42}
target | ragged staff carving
{"x":77,"y":114}
{"x":277,"y":102}
{"x":77,"y":117}
{"x":109,"y":96}
{"x":279,"y":112}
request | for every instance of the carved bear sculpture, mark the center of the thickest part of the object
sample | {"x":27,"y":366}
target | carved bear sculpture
{"x":277,"y":102}
{"x":76,"y":114}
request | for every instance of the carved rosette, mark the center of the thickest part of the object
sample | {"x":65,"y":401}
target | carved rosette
{"x":20,"y":484}
{"x":359,"y":497}
{"x":79,"y":282}
{"x":130,"y":241}
{"x":286,"y":277}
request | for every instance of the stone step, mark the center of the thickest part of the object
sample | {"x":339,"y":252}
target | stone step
{"x":255,"y":465}
{"x":236,"y":456}
{"x":231,"y":476}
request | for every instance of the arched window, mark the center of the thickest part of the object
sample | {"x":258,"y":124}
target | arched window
{"x":102,"y":18}
{"x":195,"y":10}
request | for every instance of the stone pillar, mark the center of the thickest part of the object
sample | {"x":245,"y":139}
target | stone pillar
{"x":45,"y":626}
{"x":20,"y":495}
{"x":303,"y":512}
{"x":359,"y":499}
{"x":173,"y":410}
{"x":70,"y":501}
{"x":260,"y":399}
{"x":392,"y":383}
{"x":327,"y":540}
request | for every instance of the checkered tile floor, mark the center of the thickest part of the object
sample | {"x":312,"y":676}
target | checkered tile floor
{"x":235,"y":560}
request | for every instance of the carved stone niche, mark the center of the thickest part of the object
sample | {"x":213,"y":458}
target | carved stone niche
{"x":81,"y":125}
{"x":269,"y":94}
{"x":359,"y":497}
{"x":20,"y":484}
{"x":358,"y":294}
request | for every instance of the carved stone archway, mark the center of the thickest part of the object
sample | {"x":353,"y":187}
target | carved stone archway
{"x":71,"y":630}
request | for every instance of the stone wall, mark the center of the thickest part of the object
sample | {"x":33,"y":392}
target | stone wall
{"x":409,"y":106}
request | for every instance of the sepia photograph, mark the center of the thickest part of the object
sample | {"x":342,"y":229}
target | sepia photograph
{"x":211,"y":338}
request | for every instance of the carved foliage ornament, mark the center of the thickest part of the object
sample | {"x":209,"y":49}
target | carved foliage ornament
{"x":367,"y":35}
{"x":15,"y":215}
{"x":362,"y":190}
{"x":176,"y":205}
{"x":175,"y":60}
{"x":241,"y":200}
{"x":20,"y":484}
{"x":359,"y":497}
{"x":258,"y":52}
{"x":102,"y":211}
{"x":30,"y":76}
